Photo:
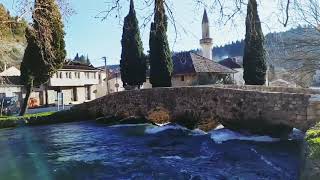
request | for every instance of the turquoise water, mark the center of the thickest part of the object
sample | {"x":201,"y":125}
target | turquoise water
{"x":90,"y":151}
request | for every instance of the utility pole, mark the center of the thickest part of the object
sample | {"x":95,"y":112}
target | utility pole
{"x":107,"y":75}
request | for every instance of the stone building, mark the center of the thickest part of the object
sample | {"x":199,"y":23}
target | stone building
{"x":192,"y":69}
{"x":235,"y":63}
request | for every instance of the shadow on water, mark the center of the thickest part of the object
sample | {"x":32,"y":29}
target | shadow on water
{"x":90,"y":151}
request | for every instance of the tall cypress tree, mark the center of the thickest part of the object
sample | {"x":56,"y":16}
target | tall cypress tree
{"x":45,"y":52}
{"x":254,"y":59}
{"x":161,"y":66}
{"x":76,"y":58}
{"x":88,"y":60}
{"x":133,"y":61}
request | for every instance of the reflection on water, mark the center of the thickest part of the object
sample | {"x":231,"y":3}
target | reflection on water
{"x":90,"y":151}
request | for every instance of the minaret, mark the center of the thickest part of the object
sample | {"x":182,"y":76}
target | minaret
{"x":206,"y":41}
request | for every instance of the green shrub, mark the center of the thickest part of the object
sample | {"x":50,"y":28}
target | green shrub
{"x":313,"y":140}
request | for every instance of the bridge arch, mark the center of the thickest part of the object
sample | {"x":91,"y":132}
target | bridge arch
{"x":257,"y":109}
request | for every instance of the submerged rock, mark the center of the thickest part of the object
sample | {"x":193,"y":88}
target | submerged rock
{"x":135,"y":120}
{"x":159,"y":115}
{"x":259,"y":127}
{"x":114,"y":120}
{"x":109,"y":120}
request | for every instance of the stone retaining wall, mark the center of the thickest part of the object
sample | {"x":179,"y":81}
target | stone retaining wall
{"x":240,"y":108}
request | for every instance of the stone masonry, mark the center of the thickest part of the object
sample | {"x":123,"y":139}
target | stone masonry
{"x":259,"y":110}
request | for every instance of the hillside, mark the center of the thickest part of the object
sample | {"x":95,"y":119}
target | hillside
{"x":292,"y":55}
{"x":229,"y":50}
{"x":12,"y":40}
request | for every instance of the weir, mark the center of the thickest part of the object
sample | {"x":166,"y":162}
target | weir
{"x":257,"y":109}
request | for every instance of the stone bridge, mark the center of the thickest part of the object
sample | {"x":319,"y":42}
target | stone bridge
{"x":257,"y":109}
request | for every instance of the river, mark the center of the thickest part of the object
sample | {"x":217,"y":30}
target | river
{"x":87,"y":150}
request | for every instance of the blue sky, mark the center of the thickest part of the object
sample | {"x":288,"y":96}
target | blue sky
{"x":88,"y":35}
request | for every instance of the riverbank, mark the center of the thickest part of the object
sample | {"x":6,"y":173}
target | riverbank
{"x":44,"y":118}
{"x":312,"y":163}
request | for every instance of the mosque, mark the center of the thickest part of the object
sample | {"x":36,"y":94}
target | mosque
{"x":191,"y":68}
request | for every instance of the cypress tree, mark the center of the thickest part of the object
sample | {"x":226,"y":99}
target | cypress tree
{"x":161,"y":66}
{"x":82,"y":59}
{"x":77,"y":58}
{"x":254,"y":59}
{"x":133,"y":61}
{"x":45,"y":52}
{"x":88,"y":60}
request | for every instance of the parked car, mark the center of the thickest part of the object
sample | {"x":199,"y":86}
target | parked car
{"x":9,"y":105}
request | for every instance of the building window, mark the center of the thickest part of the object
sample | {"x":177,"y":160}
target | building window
{"x":88,"y":93}
{"x":182,"y":78}
{"x":87,"y":75}
{"x":60,"y":75}
{"x":57,"y":75}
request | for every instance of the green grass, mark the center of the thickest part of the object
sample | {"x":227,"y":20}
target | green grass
{"x":27,"y":116}
{"x":45,"y":118}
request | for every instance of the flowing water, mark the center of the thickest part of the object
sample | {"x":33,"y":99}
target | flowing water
{"x":90,"y":151}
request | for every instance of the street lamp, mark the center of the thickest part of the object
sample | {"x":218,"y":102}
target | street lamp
{"x":106,"y":70}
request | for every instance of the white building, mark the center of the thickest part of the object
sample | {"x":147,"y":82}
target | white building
{"x":282,"y":83}
{"x":75,"y":82}
{"x":10,"y":85}
{"x":316,"y":78}
{"x":114,"y":81}
{"x":235,"y":63}
{"x":12,"y":71}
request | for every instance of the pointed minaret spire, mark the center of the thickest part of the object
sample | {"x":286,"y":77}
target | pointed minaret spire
{"x":206,"y":41}
{"x":131,"y":6}
{"x":205,"y":17}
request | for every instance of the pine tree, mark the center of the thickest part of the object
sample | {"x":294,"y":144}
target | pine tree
{"x":45,"y":52}
{"x":254,"y":60}
{"x":161,"y":66}
{"x":133,"y":61}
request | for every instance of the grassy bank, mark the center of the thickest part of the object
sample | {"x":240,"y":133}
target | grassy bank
{"x":312,"y":166}
{"x":43,"y":118}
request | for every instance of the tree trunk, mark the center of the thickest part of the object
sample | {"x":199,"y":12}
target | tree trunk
{"x":26,"y":99}
{"x":46,"y":96}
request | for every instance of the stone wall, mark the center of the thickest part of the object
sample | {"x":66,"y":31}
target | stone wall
{"x":263,"y":111}
{"x":270,"y":89}
{"x":186,"y":80}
